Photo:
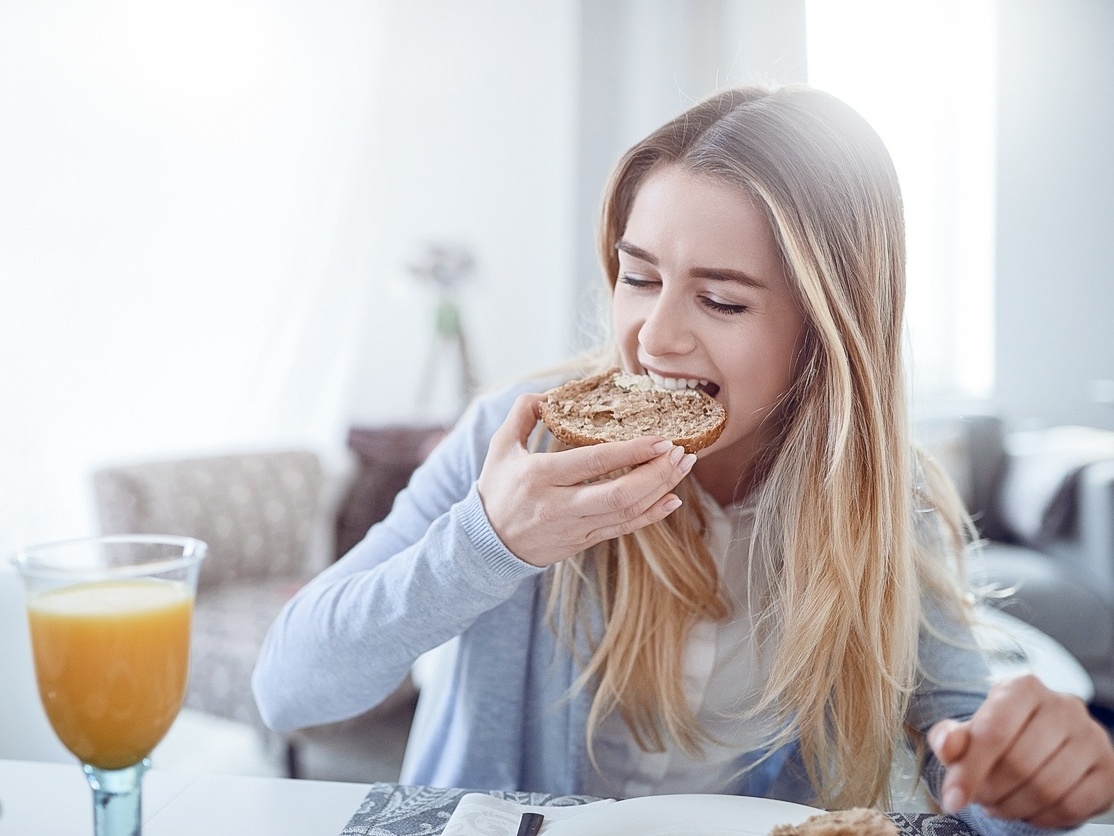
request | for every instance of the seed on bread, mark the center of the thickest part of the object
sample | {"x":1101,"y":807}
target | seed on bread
{"x":617,"y":406}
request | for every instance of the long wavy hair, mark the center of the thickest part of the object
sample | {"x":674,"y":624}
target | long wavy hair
{"x":841,"y":486}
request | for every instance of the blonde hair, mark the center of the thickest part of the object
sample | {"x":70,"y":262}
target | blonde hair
{"x":838,"y":482}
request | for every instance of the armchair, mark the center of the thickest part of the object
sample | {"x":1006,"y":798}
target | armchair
{"x":267,"y":518}
{"x":1061,"y":579}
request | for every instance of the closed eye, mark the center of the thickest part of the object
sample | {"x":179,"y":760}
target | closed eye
{"x":637,"y":282}
{"x":722,"y":307}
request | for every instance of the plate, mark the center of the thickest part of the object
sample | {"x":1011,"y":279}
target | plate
{"x":684,"y":815}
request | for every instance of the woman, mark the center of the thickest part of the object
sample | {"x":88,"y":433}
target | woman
{"x":770,"y":617}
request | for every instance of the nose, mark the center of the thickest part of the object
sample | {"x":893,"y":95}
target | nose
{"x":666,"y":329}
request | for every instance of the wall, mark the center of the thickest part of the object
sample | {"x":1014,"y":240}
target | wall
{"x":1055,"y":274}
{"x":172,"y":197}
{"x":496,"y":125}
{"x":472,"y":143}
{"x":641,"y":63}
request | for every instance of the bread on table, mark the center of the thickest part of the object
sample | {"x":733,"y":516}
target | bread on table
{"x":857,"y":821}
{"x":617,"y":406}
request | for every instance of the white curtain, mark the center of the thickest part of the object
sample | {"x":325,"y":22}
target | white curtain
{"x":207,"y":210}
{"x":924,"y":75}
{"x":173,"y":178}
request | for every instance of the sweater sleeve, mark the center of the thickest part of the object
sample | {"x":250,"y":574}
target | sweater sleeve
{"x":423,"y":575}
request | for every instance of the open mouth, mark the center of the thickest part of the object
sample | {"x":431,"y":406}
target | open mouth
{"x":706,"y":386}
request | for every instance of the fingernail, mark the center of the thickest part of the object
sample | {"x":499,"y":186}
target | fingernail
{"x":935,"y":739}
{"x":687,"y":462}
{"x":671,"y":505}
{"x":675,"y":454}
{"x":953,"y":800}
{"x":661,"y":447}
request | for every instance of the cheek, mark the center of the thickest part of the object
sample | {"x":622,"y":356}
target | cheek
{"x":760,"y":377}
{"x":624,"y":323}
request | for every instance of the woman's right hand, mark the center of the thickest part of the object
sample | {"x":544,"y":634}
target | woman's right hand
{"x":548,"y":507}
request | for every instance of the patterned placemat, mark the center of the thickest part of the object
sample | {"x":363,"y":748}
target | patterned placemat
{"x":397,"y":810}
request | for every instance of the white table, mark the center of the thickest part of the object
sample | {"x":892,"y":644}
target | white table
{"x":50,"y":799}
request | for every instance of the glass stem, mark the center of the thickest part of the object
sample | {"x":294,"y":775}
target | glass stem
{"x":117,"y":808}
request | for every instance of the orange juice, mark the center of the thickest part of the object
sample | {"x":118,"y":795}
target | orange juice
{"x":111,"y":660}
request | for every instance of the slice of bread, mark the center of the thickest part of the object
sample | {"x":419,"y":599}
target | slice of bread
{"x":857,"y":821}
{"x":616,"y":406}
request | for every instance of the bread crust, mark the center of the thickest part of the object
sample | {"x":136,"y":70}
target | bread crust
{"x":858,"y":821}
{"x":615,"y":406}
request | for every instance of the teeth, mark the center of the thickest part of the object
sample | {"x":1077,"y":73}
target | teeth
{"x":676,"y":382}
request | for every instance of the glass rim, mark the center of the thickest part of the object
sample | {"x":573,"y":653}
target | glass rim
{"x":29,"y":565}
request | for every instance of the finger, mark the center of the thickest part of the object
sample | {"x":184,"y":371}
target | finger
{"x":951,"y":744}
{"x":584,"y":464}
{"x":627,"y":496}
{"x":1090,"y":797}
{"x":1085,"y":758}
{"x":1027,"y":764}
{"x":656,"y":512}
{"x":993,"y":728}
{"x":1044,"y":789}
{"x":519,"y":423}
{"x":949,"y":740}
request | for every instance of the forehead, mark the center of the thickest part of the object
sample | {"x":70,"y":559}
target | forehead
{"x":683,"y":214}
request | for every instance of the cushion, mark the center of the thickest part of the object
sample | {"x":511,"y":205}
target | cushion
{"x":230,"y":622}
{"x":971,"y":450}
{"x":386,"y":458}
{"x":257,"y":511}
{"x":1043,"y":595}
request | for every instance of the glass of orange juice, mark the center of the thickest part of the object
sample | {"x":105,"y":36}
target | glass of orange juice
{"x":110,"y":634}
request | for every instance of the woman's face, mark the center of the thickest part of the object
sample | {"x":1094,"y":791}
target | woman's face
{"x":702,"y":295}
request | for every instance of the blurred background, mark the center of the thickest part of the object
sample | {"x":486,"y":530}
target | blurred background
{"x":212,"y":214}
{"x":263,"y":226}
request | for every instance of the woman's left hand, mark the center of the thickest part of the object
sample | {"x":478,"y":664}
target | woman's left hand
{"x":1028,"y":753}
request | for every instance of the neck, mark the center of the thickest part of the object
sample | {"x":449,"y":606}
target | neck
{"x":720,"y":475}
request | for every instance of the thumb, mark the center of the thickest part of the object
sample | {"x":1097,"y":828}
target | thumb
{"x":949,"y":739}
{"x":519,"y":423}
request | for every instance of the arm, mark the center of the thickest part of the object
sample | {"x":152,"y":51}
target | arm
{"x":346,"y":640}
{"x":455,"y":546}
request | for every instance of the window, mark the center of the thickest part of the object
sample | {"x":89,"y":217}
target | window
{"x":924,"y":75}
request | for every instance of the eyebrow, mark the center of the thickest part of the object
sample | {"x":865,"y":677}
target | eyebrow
{"x":719,"y":274}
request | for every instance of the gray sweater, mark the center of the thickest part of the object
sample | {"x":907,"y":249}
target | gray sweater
{"x":435,"y":569}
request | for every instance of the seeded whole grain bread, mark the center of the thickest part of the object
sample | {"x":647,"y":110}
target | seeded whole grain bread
{"x":616,"y":406}
{"x":857,"y":821}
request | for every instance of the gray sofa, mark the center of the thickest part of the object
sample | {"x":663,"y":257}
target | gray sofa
{"x":1060,"y":578}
